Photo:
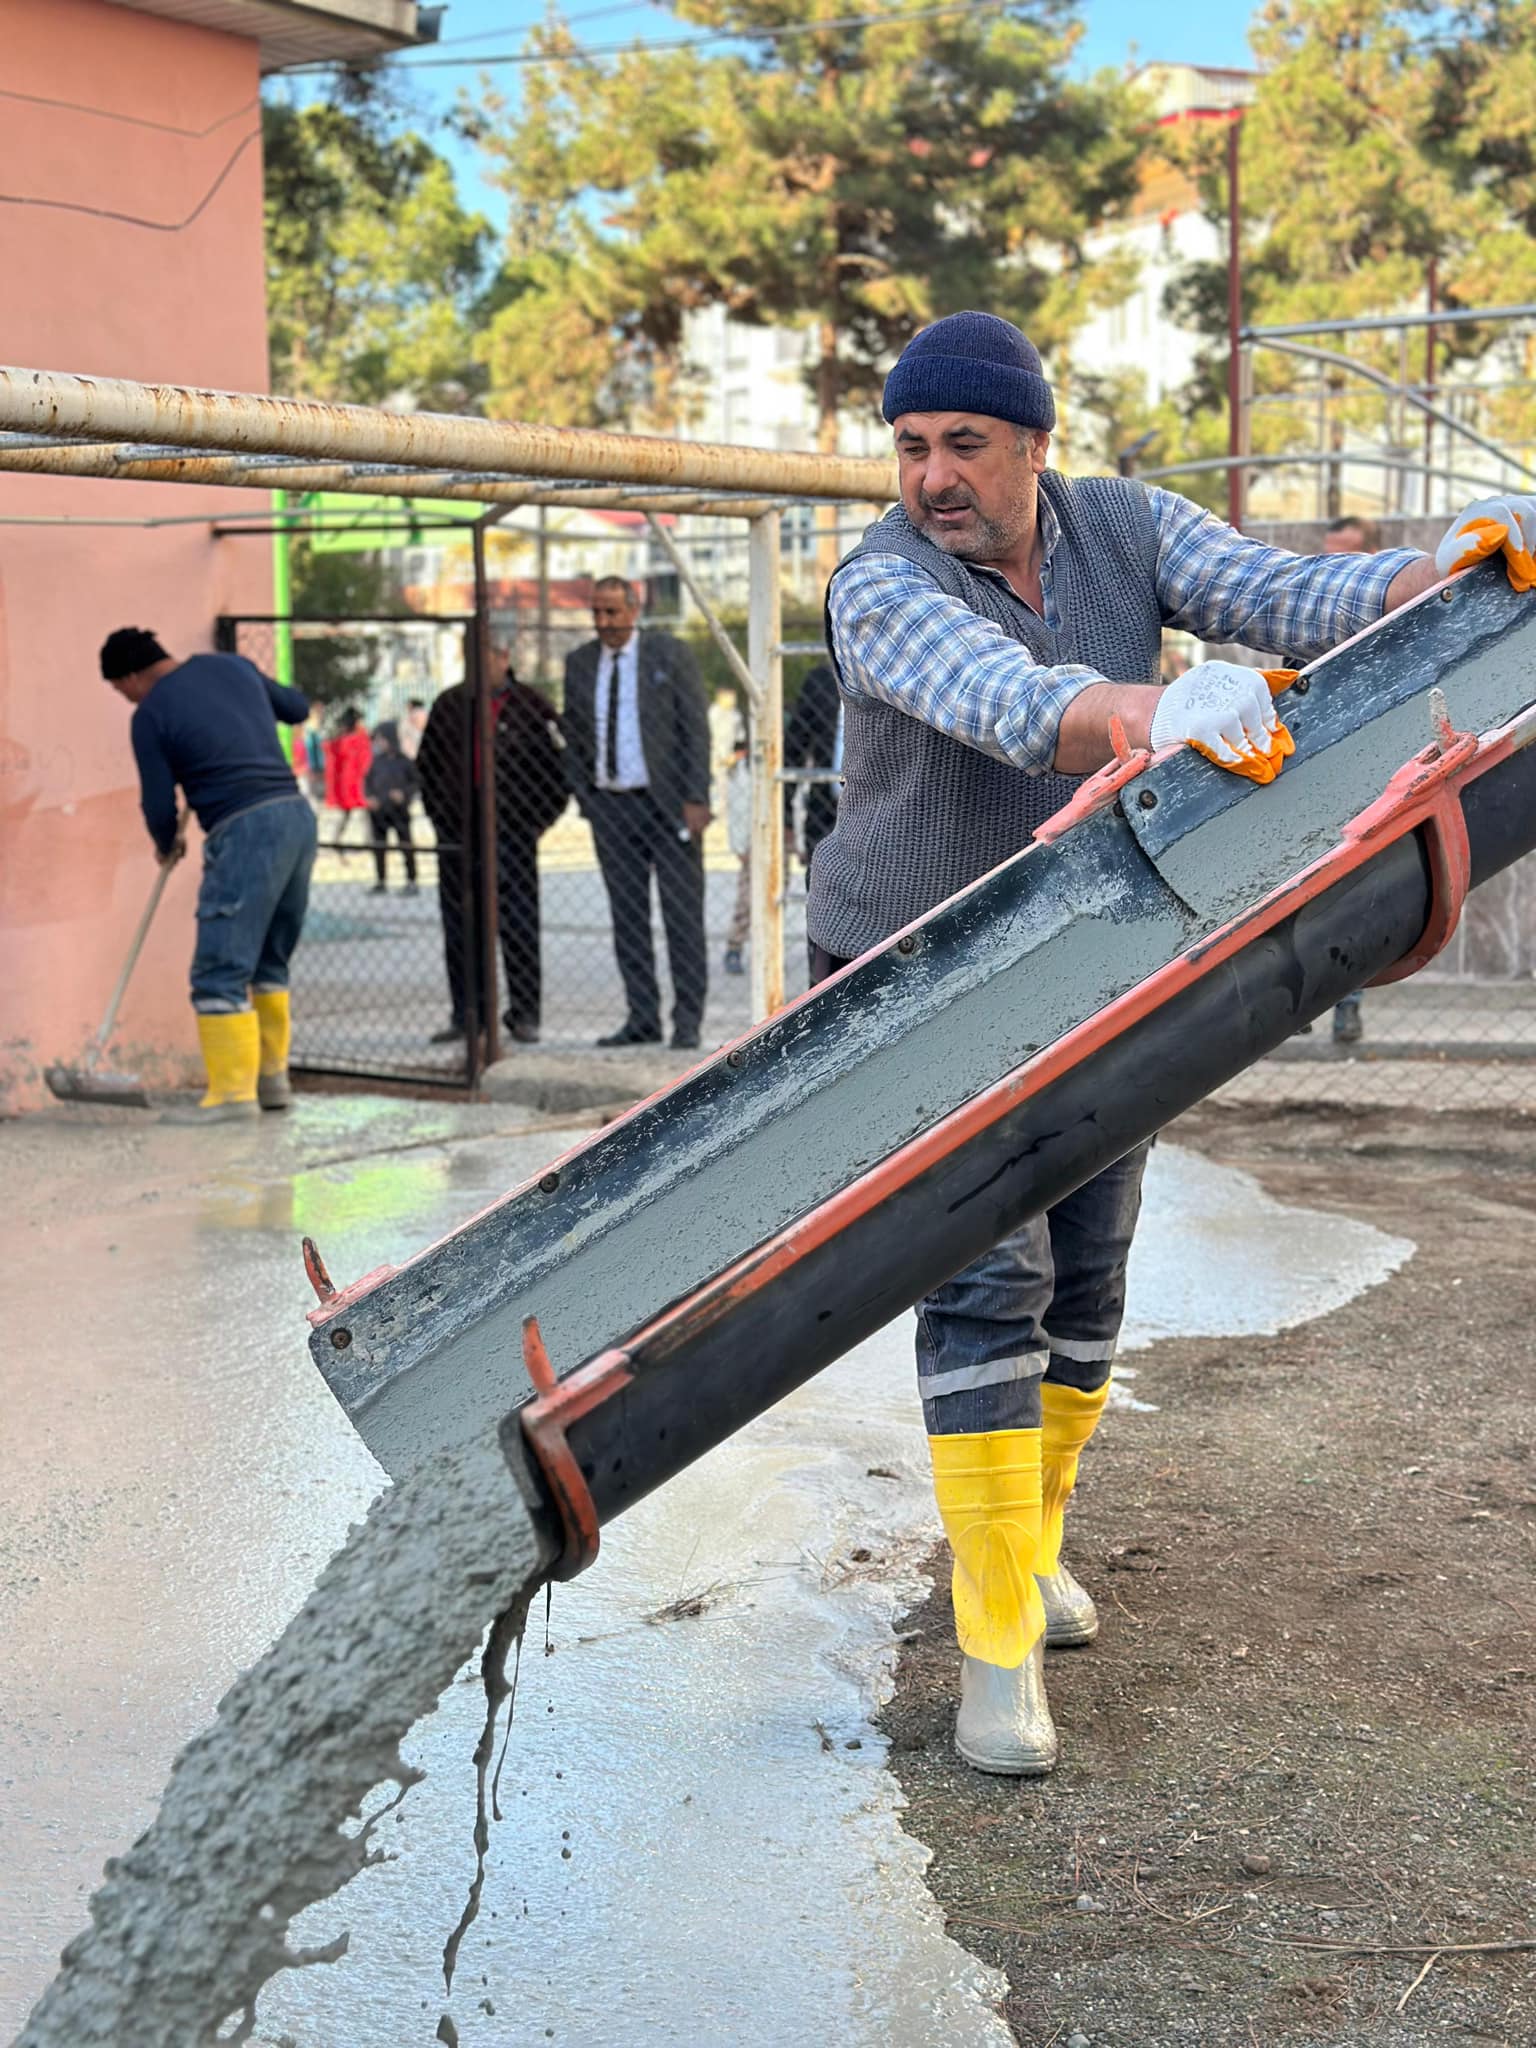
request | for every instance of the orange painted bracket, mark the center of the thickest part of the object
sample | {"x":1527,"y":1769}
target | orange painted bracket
{"x":319,"y":1278}
{"x":1425,"y":793}
{"x":1101,"y":788}
{"x":556,"y":1403}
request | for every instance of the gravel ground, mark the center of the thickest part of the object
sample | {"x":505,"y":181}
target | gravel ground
{"x":1299,"y":1780}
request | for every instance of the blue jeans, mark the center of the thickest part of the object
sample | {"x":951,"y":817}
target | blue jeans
{"x":250,"y":908}
{"x":1046,"y":1303}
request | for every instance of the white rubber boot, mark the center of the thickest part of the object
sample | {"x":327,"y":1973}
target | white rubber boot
{"x":1004,"y":1725}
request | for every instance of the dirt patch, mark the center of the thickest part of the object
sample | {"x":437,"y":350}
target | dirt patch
{"x":1299,"y":1763}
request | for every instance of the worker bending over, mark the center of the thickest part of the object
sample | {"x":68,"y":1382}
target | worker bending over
{"x":208,"y":724}
{"x":986,"y":633}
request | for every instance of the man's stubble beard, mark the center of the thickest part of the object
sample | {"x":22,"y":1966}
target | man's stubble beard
{"x":990,"y":540}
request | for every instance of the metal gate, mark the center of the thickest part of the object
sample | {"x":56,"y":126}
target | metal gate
{"x":387,"y":977}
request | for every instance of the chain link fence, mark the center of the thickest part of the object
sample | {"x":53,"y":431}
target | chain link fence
{"x":592,"y":925}
{"x":611,"y":922}
{"x":1459,"y":1035}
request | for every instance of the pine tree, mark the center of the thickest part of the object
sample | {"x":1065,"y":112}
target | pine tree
{"x":1390,"y":142}
{"x":372,"y":262}
{"x":858,"y":181}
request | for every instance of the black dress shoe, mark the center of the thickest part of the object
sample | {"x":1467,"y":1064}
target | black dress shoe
{"x":633,"y":1034}
{"x":522,"y":1029}
{"x":451,"y":1034}
{"x":685,"y":1041}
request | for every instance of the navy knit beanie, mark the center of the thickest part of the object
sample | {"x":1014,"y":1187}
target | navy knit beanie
{"x":971,"y":362}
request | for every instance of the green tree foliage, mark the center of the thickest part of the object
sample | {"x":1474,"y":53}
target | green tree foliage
{"x":337,"y":668}
{"x":1386,"y":137}
{"x":372,"y":262}
{"x":858,"y":181}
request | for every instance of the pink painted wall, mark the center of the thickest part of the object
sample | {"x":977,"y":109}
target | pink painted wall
{"x":179,"y":305}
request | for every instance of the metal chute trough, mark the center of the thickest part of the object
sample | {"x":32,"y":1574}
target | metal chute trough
{"x":674,"y":1276}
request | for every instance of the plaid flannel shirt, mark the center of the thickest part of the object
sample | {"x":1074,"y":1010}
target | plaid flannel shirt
{"x":900,"y":639}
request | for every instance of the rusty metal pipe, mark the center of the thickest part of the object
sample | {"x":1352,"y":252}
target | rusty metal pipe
{"x":117,"y":463}
{"x":42,"y":401}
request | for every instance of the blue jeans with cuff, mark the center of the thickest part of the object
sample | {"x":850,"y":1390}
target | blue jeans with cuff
{"x":251,"y":905}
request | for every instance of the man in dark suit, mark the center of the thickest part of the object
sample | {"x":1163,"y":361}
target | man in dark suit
{"x":637,"y":755}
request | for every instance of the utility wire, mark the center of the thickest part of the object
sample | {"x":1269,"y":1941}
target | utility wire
{"x":513,"y":28}
{"x":37,"y":99}
{"x":774,"y":32}
{"x":135,"y":220}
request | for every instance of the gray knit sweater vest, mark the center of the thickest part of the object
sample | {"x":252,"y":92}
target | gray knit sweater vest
{"x":923,"y":815}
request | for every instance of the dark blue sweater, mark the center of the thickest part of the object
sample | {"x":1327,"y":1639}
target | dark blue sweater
{"x":210,"y":725}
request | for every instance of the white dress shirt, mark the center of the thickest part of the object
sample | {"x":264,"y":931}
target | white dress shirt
{"x":630,"y":752}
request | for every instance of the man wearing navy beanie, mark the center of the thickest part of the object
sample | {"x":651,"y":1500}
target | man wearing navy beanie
{"x":986,"y":633}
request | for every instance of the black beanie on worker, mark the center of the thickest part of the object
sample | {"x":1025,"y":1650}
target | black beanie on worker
{"x":127,"y":651}
{"x":971,"y":362}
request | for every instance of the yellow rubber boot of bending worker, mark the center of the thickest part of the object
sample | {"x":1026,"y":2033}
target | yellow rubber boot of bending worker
{"x":1070,"y":1418}
{"x":272,"y":1087}
{"x":988,"y":1489}
{"x":231,"y":1043}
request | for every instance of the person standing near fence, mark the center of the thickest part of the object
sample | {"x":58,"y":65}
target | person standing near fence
{"x":389,"y":788}
{"x":531,"y":793}
{"x":736,"y":802}
{"x":811,"y":740}
{"x":348,"y":757}
{"x":209,"y":724}
{"x":637,"y":754}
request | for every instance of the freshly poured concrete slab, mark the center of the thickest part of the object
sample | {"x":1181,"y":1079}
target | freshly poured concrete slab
{"x":737,"y":1871}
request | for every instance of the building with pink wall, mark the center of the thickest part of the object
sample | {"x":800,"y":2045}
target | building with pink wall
{"x":130,"y":246}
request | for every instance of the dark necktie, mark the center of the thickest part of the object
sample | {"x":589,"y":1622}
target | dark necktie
{"x":611,"y":747}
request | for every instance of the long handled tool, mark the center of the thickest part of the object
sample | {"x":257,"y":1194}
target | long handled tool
{"x":88,"y":1083}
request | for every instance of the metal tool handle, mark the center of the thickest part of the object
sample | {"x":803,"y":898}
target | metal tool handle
{"x":120,"y":989}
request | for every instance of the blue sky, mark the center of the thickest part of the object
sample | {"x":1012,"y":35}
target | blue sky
{"x":1199,"y":31}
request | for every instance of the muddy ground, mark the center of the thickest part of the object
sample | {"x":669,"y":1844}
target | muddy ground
{"x":1299,"y":1765}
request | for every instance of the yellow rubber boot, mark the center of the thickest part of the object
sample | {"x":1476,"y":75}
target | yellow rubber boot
{"x":988,"y":1490}
{"x":276,"y":1024}
{"x":231,"y":1043}
{"x":1069,"y":1417}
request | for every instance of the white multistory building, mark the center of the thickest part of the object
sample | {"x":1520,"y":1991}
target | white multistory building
{"x":754,"y":390}
{"x":1163,"y":231}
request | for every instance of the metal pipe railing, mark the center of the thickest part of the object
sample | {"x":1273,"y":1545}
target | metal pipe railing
{"x":120,"y":462}
{"x":42,"y":401}
{"x":1472,"y":316}
{"x":1331,"y":359}
{"x":1358,"y":458}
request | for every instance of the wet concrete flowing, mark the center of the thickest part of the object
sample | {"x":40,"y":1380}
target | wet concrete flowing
{"x":254,"y":1824}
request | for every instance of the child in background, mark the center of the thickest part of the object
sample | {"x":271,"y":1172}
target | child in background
{"x":389,"y":788}
{"x":348,"y":755}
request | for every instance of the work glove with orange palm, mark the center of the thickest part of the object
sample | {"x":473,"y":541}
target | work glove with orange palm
{"x":1227,"y":713}
{"x":1493,"y":526}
